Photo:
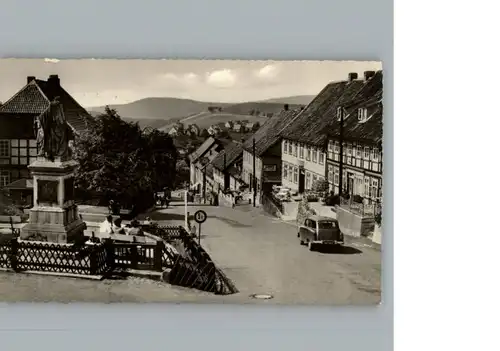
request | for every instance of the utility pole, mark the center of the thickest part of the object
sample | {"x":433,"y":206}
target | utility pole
{"x":254,"y":177}
{"x":224,"y":171}
{"x":341,"y":158}
{"x":204,"y":184}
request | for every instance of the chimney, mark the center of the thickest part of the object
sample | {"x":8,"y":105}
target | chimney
{"x":369,"y":74}
{"x":54,"y":81}
{"x":286,"y":107}
{"x":352,"y":76}
{"x":30,"y":78}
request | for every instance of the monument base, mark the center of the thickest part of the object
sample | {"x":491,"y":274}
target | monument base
{"x":58,"y":225}
{"x":54,"y":217}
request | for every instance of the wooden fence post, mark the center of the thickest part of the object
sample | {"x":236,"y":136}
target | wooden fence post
{"x":110,"y":253}
{"x":134,"y":257}
{"x":14,"y":248}
{"x":93,"y":261}
{"x":158,"y":255}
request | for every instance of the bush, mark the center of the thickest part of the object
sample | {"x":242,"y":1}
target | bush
{"x":378,"y":218}
{"x":358,"y":199}
{"x":320,"y":186}
{"x":332,"y":200}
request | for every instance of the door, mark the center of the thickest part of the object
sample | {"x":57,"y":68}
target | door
{"x":350,"y":185}
{"x":302,"y":179}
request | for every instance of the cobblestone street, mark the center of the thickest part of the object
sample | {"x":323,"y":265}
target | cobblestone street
{"x":262,"y":255}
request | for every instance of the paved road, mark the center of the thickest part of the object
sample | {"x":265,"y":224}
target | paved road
{"x":262,"y":255}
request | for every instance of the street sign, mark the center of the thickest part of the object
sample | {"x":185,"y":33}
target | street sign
{"x":200,"y":216}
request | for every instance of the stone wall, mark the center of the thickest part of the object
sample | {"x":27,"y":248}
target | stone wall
{"x":353,"y":224}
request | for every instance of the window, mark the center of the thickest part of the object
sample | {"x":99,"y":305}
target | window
{"x":315,"y":178}
{"x":349,"y":150}
{"x":367,"y":187}
{"x":290,"y":148}
{"x":375,"y":154}
{"x":362,"y":114}
{"x":4,"y":178}
{"x":290,"y":173}
{"x":285,"y":146}
{"x":315,"y":156}
{"x":358,"y":152}
{"x":285,"y":171}
{"x":336,"y":176}
{"x":374,"y":188}
{"x":308,"y":154}
{"x":22,"y":152}
{"x":330,"y":174}
{"x":336,"y":147}
{"x":321,"y":158}
{"x":301,"y":151}
{"x":4,"y":148}
{"x":295,"y":149}
{"x":367,"y":153}
{"x":330,"y":146}
{"x":308,"y":180}
{"x":296,"y":175}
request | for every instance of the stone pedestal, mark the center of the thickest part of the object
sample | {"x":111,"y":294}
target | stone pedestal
{"x":54,"y":216}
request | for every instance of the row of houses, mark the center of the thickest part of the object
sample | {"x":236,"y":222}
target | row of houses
{"x":214,"y":130}
{"x":295,"y":148}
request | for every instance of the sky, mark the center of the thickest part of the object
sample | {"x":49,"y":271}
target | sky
{"x":94,"y":82}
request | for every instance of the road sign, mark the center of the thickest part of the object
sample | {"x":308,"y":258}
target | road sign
{"x":200,"y":216}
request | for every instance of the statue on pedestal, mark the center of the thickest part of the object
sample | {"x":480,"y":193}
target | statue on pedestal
{"x":53,"y":132}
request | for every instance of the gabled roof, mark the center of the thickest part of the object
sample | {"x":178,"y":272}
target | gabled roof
{"x":268,"y":134}
{"x":34,"y":98}
{"x":371,"y":130}
{"x":207,"y":144}
{"x":228,"y":156}
{"x":312,"y":125}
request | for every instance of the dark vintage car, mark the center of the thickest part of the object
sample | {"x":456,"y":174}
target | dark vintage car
{"x":320,"y":230}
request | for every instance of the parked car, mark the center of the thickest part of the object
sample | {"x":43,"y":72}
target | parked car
{"x":320,"y":230}
{"x":284,"y":195}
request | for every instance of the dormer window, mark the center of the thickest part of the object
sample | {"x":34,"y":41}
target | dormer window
{"x":362,"y":114}
{"x":339,"y":113}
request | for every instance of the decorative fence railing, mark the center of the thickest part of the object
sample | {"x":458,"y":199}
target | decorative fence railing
{"x":191,"y":266}
{"x":52,"y":257}
{"x":365,"y":210}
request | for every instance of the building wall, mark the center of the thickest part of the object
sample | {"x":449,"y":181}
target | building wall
{"x":219,"y":178}
{"x":294,"y":155}
{"x":362,"y":163}
{"x":247,"y":169}
{"x":15,"y":156}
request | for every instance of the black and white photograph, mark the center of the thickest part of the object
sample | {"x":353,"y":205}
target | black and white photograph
{"x":191,"y":181}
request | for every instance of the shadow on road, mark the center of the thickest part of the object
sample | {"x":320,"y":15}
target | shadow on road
{"x":158,"y":216}
{"x":232,"y":222}
{"x":343,"y":250}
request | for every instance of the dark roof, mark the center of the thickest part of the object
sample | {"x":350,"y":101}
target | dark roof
{"x":313,"y":124}
{"x":207,"y":144}
{"x":34,"y":98}
{"x":229,"y":155}
{"x":20,"y":184}
{"x":370,"y":130}
{"x":268,"y":134}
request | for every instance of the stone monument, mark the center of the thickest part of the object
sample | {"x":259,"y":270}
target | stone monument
{"x":54,"y":216}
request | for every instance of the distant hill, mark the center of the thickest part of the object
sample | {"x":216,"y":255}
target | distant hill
{"x":152,"y":111}
{"x":292,"y":100}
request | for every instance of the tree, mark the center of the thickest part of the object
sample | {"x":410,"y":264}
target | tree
{"x":204,"y":133}
{"x":256,"y":126}
{"x":182,"y":172}
{"x":320,"y":186}
{"x":118,"y":161}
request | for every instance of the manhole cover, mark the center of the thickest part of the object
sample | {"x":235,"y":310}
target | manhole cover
{"x":261,"y":296}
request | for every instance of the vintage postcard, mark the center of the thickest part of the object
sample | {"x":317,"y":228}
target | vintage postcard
{"x":204,"y":181}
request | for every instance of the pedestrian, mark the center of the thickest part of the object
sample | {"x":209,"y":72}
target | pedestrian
{"x":167,"y":201}
{"x":233,"y":200}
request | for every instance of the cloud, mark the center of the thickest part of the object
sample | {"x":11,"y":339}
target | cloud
{"x":268,"y":72}
{"x":182,"y":79}
{"x":224,"y":78}
{"x":51,"y":60}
